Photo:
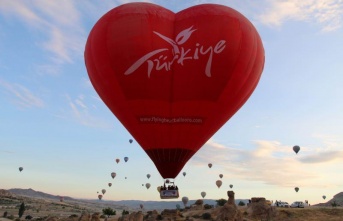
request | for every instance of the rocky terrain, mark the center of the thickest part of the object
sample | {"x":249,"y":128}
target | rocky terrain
{"x":51,"y":208}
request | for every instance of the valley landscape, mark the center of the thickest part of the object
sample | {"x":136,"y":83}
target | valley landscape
{"x":43,"y":206}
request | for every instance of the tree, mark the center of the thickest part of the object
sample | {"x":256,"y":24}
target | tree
{"x":125,"y":212}
{"x":21,"y":209}
{"x":108,"y":212}
{"x":241,"y":203}
{"x":221,"y":202}
{"x":5,"y":214}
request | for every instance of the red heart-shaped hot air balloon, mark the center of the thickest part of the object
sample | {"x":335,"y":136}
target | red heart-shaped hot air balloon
{"x":173,"y":79}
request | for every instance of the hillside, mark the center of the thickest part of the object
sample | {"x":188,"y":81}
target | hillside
{"x":338,"y":198}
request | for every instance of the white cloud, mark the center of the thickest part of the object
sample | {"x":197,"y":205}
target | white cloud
{"x":20,"y":95}
{"x":59,"y":21}
{"x":269,"y":162}
{"x":327,"y":13}
{"x":79,"y":111}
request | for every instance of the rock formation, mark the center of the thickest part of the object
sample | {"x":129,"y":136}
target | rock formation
{"x":134,"y":216}
{"x":229,"y":211}
{"x":258,"y":208}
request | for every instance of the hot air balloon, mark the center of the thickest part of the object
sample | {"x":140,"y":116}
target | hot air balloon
{"x":21,"y":169}
{"x":143,"y":60}
{"x":158,"y":189}
{"x":147,"y":185}
{"x":126,"y":159}
{"x":141,"y":206}
{"x":113,"y":174}
{"x":178,"y":206}
{"x":99,"y":196}
{"x":219,"y":183}
{"x":203,"y":194}
{"x":117,"y":160}
{"x":210,"y":165}
{"x":130,"y":140}
{"x":143,"y":184}
{"x":103,"y":191}
{"x":109,"y":184}
{"x":184,"y":173}
{"x":296,"y":189}
{"x":148,"y":175}
{"x":231,"y":186}
{"x":324,"y":197}
{"x":221,"y":176}
{"x":61,"y":198}
{"x":296,"y":149}
{"x":185,"y":200}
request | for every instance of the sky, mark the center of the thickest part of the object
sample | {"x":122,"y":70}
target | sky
{"x":55,"y":126}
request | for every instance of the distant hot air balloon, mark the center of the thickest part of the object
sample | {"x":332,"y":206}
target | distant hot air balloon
{"x":221,"y":176}
{"x":210,"y":165}
{"x":141,"y":206}
{"x":219,"y":183}
{"x":296,"y":189}
{"x":141,"y":65}
{"x":100,"y":196}
{"x":113,"y":174}
{"x":185,"y":200}
{"x":21,"y":169}
{"x":143,"y":184}
{"x":61,"y":198}
{"x":103,"y":191}
{"x":126,"y":159}
{"x":159,"y":189}
{"x":109,"y":184}
{"x":148,"y":175}
{"x":117,"y":160}
{"x":147,"y":185}
{"x":130,"y":140}
{"x":324,"y":197}
{"x":125,"y":178}
{"x":231,"y":186}
{"x":184,"y":173}
{"x":178,"y":206}
{"x":203,"y":194}
{"x":296,"y":149}
{"x":167,"y":181}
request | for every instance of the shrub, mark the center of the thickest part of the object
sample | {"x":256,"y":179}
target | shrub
{"x":159,"y":217}
{"x":11,"y":217}
{"x":108,"y":212}
{"x":73,"y":216}
{"x":334,"y":204}
{"x":241,"y":203}
{"x":21,"y":209}
{"x":206,"y":216}
{"x":221,"y":202}
{"x":28,"y":217}
{"x":207,"y":206}
{"x":125,"y":212}
{"x":102,"y":216}
{"x":5,"y":214}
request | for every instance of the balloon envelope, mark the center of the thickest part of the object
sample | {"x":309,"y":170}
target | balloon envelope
{"x":324,"y":197}
{"x":231,"y":186}
{"x":203,"y":194}
{"x":21,"y":169}
{"x":210,"y":165}
{"x":126,"y":159}
{"x":117,"y":160}
{"x":148,"y":175}
{"x":296,"y":149}
{"x":221,"y":176}
{"x":99,"y":196}
{"x":147,"y":185}
{"x":185,"y":200}
{"x":296,"y":189}
{"x":113,"y":174}
{"x":154,"y":69}
{"x":109,"y":184}
{"x":130,"y":140}
{"x":184,"y":173}
{"x":141,"y":205}
{"x":219,"y":183}
{"x":103,"y":191}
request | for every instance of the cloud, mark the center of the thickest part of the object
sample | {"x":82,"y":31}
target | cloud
{"x":323,"y":157}
{"x":327,"y":13}
{"x":20,"y":95}
{"x":80,"y":110}
{"x":58,"y":21}
{"x":269,"y":162}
